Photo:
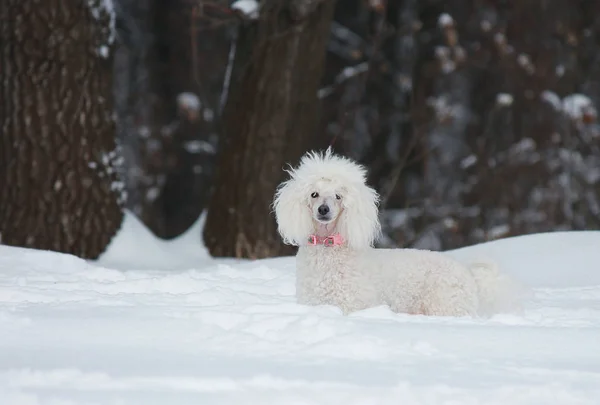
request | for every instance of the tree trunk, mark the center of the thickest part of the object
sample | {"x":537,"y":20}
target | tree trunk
{"x":59,"y":187}
{"x":271,"y":112}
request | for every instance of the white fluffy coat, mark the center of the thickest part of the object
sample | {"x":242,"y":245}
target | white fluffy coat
{"x":354,"y":275}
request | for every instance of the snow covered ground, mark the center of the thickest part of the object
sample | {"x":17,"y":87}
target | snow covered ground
{"x":161,"y":323}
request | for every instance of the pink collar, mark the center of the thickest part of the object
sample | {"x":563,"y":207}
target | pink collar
{"x":332,"y":240}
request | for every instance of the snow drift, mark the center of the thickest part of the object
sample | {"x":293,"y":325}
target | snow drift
{"x":156,"y":322}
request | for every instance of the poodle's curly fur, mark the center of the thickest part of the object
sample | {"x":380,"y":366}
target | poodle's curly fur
{"x":354,"y":275}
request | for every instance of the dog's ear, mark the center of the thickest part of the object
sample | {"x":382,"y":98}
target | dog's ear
{"x":359,"y":223}
{"x":292,"y":214}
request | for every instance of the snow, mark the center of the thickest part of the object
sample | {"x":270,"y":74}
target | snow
{"x":208,"y":115}
{"x":504,"y":99}
{"x":134,"y":247}
{"x":486,"y":25}
{"x":499,"y":38}
{"x":347,"y":73}
{"x":552,"y":98}
{"x":577,"y":105}
{"x":188,"y":101}
{"x":498,"y":231}
{"x":525,"y":61}
{"x":468,"y":161}
{"x":101,"y":8}
{"x":448,"y":66}
{"x":445,"y":20}
{"x":160,"y":322}
{"x":442,"y":52}
{"x":104,"y":51}
{"x":248,"y":7}
{"x":199,"y":146}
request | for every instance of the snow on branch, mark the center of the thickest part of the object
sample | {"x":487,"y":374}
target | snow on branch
{"x":504,"y":99}
{"x":579,"y":107}
{"x":248,"y":8}
{"x":445,"y":20}
{"x":189,"y":104}
{"x":346,"y":74}
{"x":551,"y":98}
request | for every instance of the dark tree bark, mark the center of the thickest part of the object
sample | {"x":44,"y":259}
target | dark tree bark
{"x":271,"y":112}
{"x":59,"y":187}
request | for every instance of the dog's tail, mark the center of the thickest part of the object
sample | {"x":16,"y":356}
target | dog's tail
{"x":498,"y":293}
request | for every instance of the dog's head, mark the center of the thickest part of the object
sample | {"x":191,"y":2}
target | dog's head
{"x":327,"y":194}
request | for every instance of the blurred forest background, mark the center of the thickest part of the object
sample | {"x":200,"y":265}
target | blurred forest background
{"x":477,"y":119}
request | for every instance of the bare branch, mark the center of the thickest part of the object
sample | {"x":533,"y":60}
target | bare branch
{"x":346,"y":74}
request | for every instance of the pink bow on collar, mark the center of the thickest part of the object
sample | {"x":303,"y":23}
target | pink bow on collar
{"x":332,"y":240}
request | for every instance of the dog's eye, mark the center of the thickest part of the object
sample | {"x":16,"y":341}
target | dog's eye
{"x":337,"y":196}
{"x":314,"y":195}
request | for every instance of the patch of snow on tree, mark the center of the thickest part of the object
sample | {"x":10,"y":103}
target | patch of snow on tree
{"x":449,"y":223}
{"x":208,"y":115}
{"x":448,"y":66}
{"x":592,"y":176}
{"x":551,"y":98}
{"x":404,"y":81}
{"x":498,"y":231}
{"x":445,"y":20}
{"x":104,"y":51}
{"x":578,"y":105}
{"x":102,"y":9}
{"x":524,"y":145}
{"x":442,"y":52}
{"x":351,"y":71}
{"x":143,"y":132}
{"x":460,"y":55}
{"x":444,"y":108}
{"x":248,"y":7}
{"x":347,"y":73}
{"x":111,"y":165}
{"x":152,"y":193}
{"x":525,"y":62}
{"x":499,"y":38}
{"x":198,"y":146}
{"x":468,"y":162}
{"x":189,"y":101}
{"x":504,"y":99}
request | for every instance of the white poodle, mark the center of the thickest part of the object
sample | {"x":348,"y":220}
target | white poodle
{"x":327,"y":210}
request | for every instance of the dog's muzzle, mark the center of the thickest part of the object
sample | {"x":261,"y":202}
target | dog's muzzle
{"x":324,"y":212}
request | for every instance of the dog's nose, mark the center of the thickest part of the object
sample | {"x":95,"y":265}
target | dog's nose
{"x":323,"y":209}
